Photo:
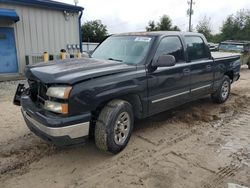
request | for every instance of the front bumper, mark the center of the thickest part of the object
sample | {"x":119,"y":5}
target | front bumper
{"x":58,"y":130}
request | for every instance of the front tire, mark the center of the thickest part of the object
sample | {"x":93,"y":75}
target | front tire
{"x":223,"y":92}
{"x":114,"y":126}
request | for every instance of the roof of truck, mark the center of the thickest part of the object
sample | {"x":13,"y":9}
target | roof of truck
{"x":158,"y":33}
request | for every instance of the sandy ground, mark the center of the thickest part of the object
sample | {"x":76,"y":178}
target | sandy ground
{"x":200,"y":144}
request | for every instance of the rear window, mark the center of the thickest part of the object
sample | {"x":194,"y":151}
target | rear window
{"x":196,"y":48}
{"x":231,"y":47}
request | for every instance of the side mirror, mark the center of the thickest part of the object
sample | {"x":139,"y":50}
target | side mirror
{"x":164,"y":61}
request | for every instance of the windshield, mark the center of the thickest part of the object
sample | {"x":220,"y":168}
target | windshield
{"x":231,"y":47}
{"x":127,"y":49}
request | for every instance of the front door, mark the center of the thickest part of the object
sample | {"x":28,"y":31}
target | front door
{"x":8,"y":56}
{"x":169,"y":86}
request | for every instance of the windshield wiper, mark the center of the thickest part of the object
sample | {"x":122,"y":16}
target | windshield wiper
{"x":115,"y":59}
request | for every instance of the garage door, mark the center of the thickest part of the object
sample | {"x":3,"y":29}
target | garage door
{"x":8,"y":57}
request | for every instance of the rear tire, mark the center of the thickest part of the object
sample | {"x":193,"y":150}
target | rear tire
{"x":223,"y":92}
{"x":114,"y":126}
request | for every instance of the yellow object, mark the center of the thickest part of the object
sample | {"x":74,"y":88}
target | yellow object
{"x":45,"y":56}
{"x":65,"y":108}
{"x":63,"y":55}
{"x":67,"y":92}
{"x":79,"y":54}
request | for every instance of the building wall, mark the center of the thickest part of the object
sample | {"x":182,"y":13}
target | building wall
{"x":41,"y":30}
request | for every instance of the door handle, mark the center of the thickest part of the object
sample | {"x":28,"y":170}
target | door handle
{"x":186,"y":71}
{"x":208,"y":67}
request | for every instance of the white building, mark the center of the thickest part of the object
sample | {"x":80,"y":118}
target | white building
{"x":31,"y":27}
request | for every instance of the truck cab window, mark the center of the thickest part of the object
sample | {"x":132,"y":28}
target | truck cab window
{"x":171,"y":46}
{"x":196,"y":48}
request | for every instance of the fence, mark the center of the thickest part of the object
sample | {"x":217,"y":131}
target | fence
{"x":89,"y":46}
{"x":36,"y":58}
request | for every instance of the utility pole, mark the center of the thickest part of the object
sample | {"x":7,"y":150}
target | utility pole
{"x":76,"y":2}
{"x":190,"y":12}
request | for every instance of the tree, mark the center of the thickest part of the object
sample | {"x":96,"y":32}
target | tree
{"x":237,"y":27}
{"x":229,"y":28}
{"x":94,"y":31}
{"x":217,"y":38}
{"x":151,"y":26}
{"x":175,"y":28}
{"x":204,"y":27}
{"x":164,"y":24}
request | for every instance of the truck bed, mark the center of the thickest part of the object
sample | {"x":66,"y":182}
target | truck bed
{"x":224,"y":55}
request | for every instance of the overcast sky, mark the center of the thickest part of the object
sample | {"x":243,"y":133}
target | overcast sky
{"x":133,"y":15}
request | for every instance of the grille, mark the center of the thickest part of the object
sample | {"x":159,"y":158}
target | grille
{"x":37,"y":91}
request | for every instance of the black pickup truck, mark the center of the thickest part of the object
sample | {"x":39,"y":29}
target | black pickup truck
{"x":129,"y":76}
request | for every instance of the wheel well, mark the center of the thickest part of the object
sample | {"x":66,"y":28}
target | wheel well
{"x":230,"y":74}
{"x":135,"y":102}
{"x":133,"y":99}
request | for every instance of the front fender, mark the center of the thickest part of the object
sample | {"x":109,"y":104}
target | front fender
{"x":88,"y":96}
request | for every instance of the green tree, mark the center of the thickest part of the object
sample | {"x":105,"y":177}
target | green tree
{"x":229,"y":29}
{"x":164,"y":24}
{"x":94,"y":31}
{"x":217,"y":38}
{"x":237,"y":27}
{"x":151,"y":26}
{"x":204,"y":27}
{"x":175,"y":28}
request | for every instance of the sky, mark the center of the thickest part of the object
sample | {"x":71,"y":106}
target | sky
{"x":134,"y":15}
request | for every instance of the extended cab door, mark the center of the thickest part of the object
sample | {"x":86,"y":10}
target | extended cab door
{"x":168,"y":86}
{"x":201,"y":65}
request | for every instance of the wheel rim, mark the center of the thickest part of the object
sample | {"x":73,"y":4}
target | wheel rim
{"x":122,"y":128}
{"x":225,"y":90}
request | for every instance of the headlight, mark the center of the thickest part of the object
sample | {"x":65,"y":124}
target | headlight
{"x":56,"y":107}
{"x":59,"y":92}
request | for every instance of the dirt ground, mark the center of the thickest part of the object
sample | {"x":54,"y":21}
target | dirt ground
{"x":200,"y":144}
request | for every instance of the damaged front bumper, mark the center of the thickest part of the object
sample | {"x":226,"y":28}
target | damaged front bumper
{"x":58,"y":129}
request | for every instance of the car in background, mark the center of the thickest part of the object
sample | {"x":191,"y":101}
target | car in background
{"x":213,"y":47}
{"x":242,"y":47}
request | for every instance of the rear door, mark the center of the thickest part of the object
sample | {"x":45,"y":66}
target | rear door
{"x":169,"y":86}
{"x":201,"y":66}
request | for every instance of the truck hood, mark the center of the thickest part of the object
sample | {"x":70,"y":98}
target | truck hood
{"x":71,"y":71}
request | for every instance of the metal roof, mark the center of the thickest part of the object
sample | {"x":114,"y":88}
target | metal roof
{"x":48,"y":4}
{"x":9,"y":14}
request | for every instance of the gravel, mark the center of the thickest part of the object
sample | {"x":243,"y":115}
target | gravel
{"x":8,"y":89}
